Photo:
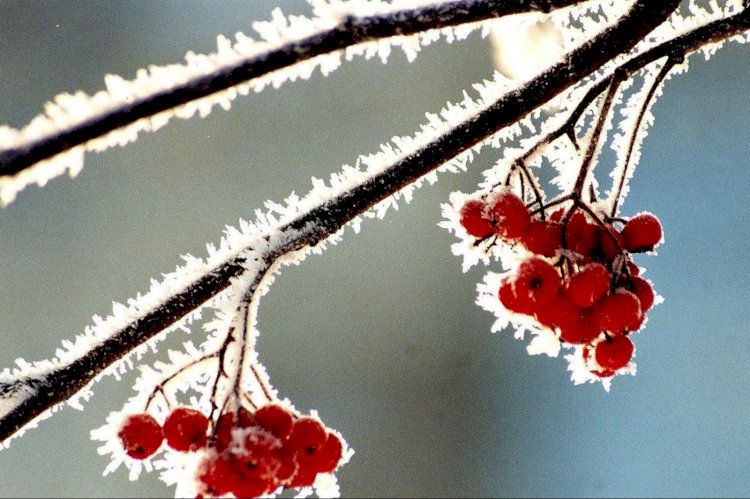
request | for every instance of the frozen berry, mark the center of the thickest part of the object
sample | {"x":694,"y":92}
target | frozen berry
{"x":618,"y":312}
{"x":308,"y":435}
{"x":276,"y":419}
{"x":185,"y":429}
{"x":307,"y":441}
{"x":330,"y":454}
{"x":509,"y":215}
{"x":642,"y":233}
{"x":510,"y":300}
{"x":641,"y":288}
{"x":227,"y":422}
{"x":141,"y":435}
{"x":474,"y":220}
{"x":584,"y":330}
{"x":536,"y":282}
{"x":614,"y":353}
{"x":559,"y":312}
{"x":543,"y":237}
{"x":588,"y":285}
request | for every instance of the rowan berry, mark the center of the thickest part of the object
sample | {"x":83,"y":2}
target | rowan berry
{"x":330,"y":454}
{"x":307,"y":441}
{"x":614,"y":353}
{"x":618,"y":312}
{"x":642,"y":233}
{"x":218,"y":474}
{"x":474,"y":219}
{"x":559,"y":312}
{"x":185,"y":429}
{"x":543,"y":237}
{"x":536,"y":282}
{"x":641,"y":288}
{"x":583,"y":331}
{"x":276,"y":419}
{"x":588,"y":285}
{"x":510,"y":216}
{"x":510,"y":300}
{"x":226,"y":424}
{"x":141,"y":435}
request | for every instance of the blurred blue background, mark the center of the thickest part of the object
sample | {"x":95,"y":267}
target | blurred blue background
{"x":380,"y":333}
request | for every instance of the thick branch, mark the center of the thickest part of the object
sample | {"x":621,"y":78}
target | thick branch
{"x":329,"y":217}
{"x":350,"y":31}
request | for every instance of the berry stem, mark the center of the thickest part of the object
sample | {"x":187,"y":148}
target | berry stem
{"x":658,"y":80}
{"x":596,"y":135}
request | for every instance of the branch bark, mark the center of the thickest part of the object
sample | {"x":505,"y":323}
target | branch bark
{"x":329,"y":217}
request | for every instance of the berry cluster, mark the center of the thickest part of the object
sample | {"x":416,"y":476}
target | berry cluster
{"x":578,"y":280}
{"x":247,"y":454}
{"x":255,"y":454}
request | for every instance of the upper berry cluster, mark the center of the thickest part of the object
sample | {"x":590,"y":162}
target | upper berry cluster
{"x":578,"y":279}
{"x":246,"y":454}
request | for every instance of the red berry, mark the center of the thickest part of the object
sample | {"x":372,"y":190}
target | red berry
{"x":509,"y":215}
{"x":330,"y":454}
{"x":308,"y":435}
{"x":559,"y":312}
{"x":140,"y":435}
{"x":584,"y":330}
{"x":614,"y":353}
{"x":574,"y":230}
{"x":510,"y":300}
{"x":217,"y":474}
{"x":474,"y":220}
{"x":592,"y":241}
{"x":618,"y":312}
{"x":261,"y":456}
{"x":275,"y":419}
{"x":642,"y":233}
{"x":186,"y":429}
{"x":536,"y":282}
{"x":307,"y":441}
{"x":588,"y":285}
{"x":227,"y":422}
{"x":641,"y":288}
{"x":543,"y":237}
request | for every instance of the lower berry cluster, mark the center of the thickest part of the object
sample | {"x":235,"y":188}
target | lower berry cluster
{"x":246,"y":454}
{"x":578,"y":278}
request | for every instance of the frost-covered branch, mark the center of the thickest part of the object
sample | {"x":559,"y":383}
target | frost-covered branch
{"x":33,"y":396}
{"x":148,"y":102}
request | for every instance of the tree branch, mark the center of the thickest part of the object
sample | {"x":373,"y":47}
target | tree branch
{"x":350,"y":31}
{"x":329,"y":217}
